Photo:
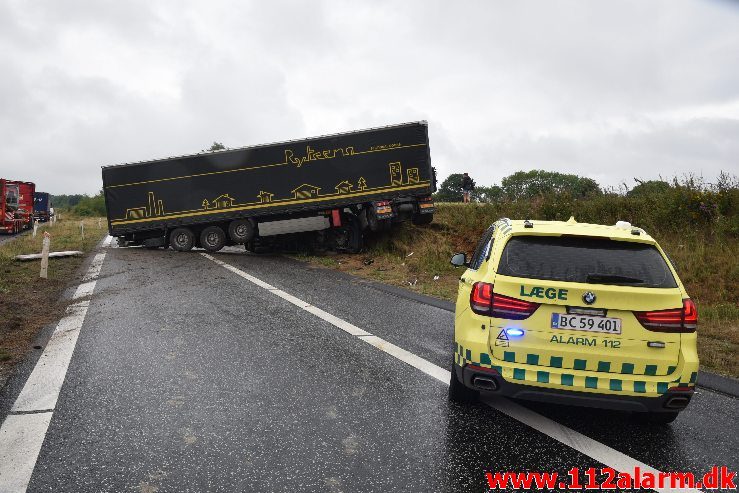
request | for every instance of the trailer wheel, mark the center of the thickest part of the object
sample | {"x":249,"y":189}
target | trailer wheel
{"x":212,"y":238}
{"x":422,"y":219}
{"x":240,"y":231}
{"x":182,"y":239}
{"x":349,"y":237}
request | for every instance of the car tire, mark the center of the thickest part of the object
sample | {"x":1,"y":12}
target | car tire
{"x":182,"y":239}
{"x":241,"y":231}
{"x":459,"y":392}
{"x":212,"y":238}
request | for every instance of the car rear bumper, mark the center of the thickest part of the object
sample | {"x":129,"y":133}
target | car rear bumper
{"x":490,"y":381}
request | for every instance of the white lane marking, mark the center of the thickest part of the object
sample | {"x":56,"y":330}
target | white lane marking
{"x":97,"y":263}
{"x":42,"y":387}
{"x":84,"y":290}
{"x":292,"y":299}
{"x":22,"y":435}
{"x":337,"y":322}
{"x":20,"y":442}
{"x":425,"y":366}
{"x":585,"y":445}
{"x":241,"y":273}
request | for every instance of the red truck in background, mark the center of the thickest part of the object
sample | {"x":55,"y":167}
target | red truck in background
{"x":16,"y":209}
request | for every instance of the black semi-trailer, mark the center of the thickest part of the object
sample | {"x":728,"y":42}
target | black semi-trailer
{"x":331,"y":188}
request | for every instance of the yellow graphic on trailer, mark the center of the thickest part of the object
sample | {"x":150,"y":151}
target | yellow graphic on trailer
{"x":315,"y":155}
{"x":305,"y":191}
{"x":265,"y":197}
{"x":344,"y":187}
{"x":396,"y":173}
{"x":154,"y":209}
{"x":223,"y":201}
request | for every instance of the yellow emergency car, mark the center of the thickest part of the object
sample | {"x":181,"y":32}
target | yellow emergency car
{"x":573,"y":313}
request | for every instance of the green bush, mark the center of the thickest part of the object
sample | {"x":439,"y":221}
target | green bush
{"x":682,"y":205}
{"x":90,"y":206}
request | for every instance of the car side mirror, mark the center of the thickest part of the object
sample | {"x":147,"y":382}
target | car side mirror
{"x":459,"y":260}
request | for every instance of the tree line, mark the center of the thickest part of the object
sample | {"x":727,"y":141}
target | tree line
{"x":80,"y":204}
{"x":526,"y":185}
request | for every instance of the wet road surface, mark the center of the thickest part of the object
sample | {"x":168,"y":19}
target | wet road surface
{"x":189,"y":377}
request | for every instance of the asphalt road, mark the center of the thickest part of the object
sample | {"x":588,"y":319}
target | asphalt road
{"x":187,"y":376}
{"x":6,"y":237}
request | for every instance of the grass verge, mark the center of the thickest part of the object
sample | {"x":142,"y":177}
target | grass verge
{"x":27,"y":302}
{"x":417,"y":258}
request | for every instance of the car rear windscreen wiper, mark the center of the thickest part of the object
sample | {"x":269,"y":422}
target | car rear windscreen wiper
{"x":596,"y":277}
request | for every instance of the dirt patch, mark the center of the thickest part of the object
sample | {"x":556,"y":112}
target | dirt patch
{"x":29,"y":303}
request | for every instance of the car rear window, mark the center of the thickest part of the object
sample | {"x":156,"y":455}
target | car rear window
{"x":590,"y":260}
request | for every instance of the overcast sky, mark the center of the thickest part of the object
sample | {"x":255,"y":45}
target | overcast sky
{"x":611,"y":90}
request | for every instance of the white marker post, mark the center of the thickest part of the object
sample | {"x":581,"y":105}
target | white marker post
{"x":35,"y":228}
{"x":100,"y":223}
{"x":45,"y":255}
{"x":82,"y":229}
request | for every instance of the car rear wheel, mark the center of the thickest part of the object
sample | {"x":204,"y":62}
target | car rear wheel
{"x":182,"y":239}
{"x":212,"y":238}
{"x":459,"y":392}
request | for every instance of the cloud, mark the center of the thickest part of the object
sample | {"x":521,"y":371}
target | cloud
{"x":608,"y":90}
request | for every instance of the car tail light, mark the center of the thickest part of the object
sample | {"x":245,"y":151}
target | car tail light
{"x":484,"y":301}
{"x":481,"y":298}
{"x":683,"y":319}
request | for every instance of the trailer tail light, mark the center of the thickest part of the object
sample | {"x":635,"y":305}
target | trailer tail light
{"x":383,"y":209}
{"x":683,"y":319}
{"x":336,"y":218}
{"x":426,"y":203}
{"x":484,"y":301}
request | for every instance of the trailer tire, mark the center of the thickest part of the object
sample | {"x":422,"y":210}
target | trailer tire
{"x":212,"y":238}
{"x":374,"y":224}
{"x":355,"y":240}
{"x":182,"y":239}
{"x":422,"y":219}
{"x":241,"y":231}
